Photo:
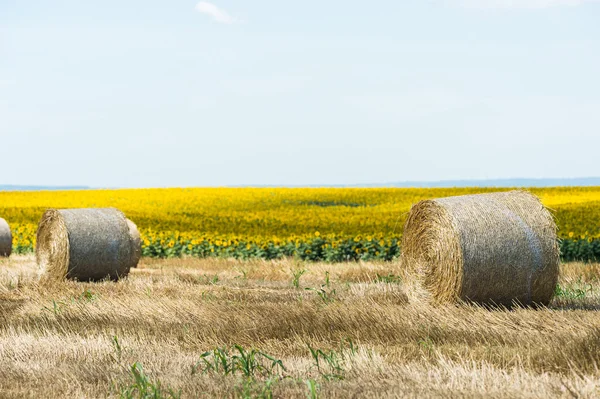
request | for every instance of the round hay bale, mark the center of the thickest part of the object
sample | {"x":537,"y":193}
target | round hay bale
{"x":84,"y":244}
{"x":5,"y":239}
{"x":136,"y":243}
{"x":493,"y":249}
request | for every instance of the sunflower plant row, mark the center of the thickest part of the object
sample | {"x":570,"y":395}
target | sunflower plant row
{"x":330,"y":248}
{"x":333,"y":224}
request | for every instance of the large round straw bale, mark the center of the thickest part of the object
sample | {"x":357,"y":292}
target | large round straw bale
{"x":5,"y":239}
{"x":84,"y":244}
{"x":498,"y":248}
{"x":136,"y":243}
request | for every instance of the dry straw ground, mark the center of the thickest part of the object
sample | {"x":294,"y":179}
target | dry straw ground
{"x":377,"y":335}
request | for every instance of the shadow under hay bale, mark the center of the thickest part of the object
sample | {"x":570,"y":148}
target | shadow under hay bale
{"x":493,"y":249}
{"x":5,"y":239}
{"x":86,"y":244}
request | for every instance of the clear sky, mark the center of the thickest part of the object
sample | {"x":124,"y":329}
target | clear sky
{"x":228,"y":92}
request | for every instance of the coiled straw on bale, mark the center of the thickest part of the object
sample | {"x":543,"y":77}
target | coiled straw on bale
{"x":5,"y":239}
{"x":498,"y":248}
{"x":136,"y":243}
{"x":86,"y":244}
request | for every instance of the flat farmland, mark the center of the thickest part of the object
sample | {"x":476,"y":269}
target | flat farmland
{"x":284,"y":328}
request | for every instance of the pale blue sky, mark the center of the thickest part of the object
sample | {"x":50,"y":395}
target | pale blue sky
{"x":180,"y":93}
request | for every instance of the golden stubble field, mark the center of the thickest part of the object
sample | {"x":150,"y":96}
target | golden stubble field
{"x":339,"y":330}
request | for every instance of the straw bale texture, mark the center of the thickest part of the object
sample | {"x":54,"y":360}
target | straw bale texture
{"x":136,"y":243}
{"x":5,"y":239}
{"x":84,"y":244}
{"x":498,"y":248}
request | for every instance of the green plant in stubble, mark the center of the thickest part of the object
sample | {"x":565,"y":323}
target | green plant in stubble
{"x":330,"y":363}
{"x":249,"y":363}
{"x":243,"y":276}
{"x":252,"y":389}
{"x":143,"y":387}
{"x":207,"y":296}
{"x":296,"y":274}
{"x":56,"y":309}
{"x":216,"y":361}
{"x":426,"y":344}
{"x":88,"y":295}
{"x":326,"y":296}
{"x":572,"y":293}
{"x":313,"y":389}
{"x":325,"y":292}
{"x":118,"y":349}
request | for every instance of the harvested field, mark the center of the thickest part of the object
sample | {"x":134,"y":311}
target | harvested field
{"x":376,"y":334}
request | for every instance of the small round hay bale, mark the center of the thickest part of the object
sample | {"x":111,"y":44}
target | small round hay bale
{"x":136,"y":243}
{"x":84,"y":244}
{"x":493,"y":249}
{"x":5,"y":239}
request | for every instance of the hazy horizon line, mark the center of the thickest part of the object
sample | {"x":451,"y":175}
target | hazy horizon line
{"x":459,"y":183}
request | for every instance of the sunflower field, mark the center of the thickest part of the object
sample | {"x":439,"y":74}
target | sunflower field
{"x":332,"y":224}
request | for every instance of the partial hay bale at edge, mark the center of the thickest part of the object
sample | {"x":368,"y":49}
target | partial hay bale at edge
{"x":84,"y":244}
{"x":5,"y":239}
{"x":136,"y":243}
{"x":498,"y":248}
